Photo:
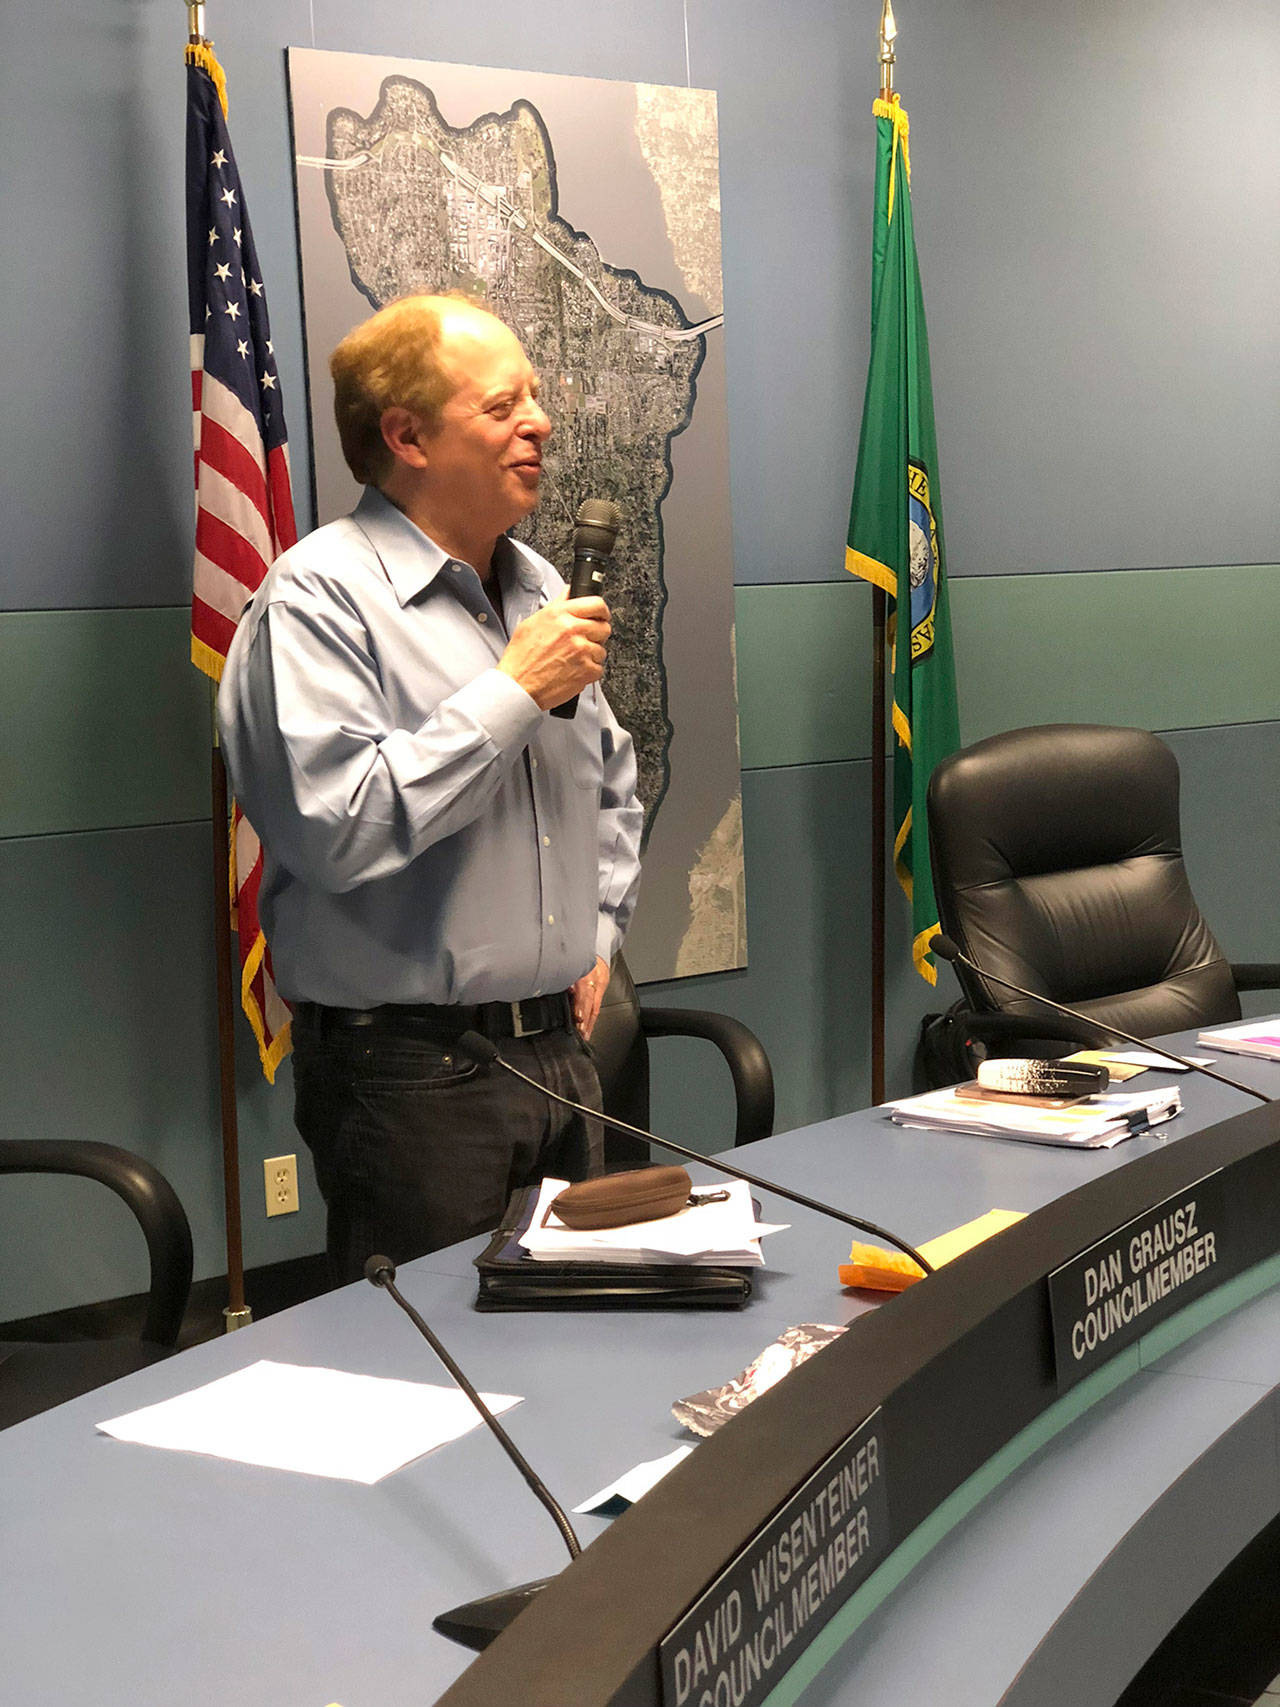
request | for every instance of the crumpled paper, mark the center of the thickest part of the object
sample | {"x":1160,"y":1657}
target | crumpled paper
{"x":705,"y":1412}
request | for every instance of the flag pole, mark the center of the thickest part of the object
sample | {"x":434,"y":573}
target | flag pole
{"x":236,"y":1313}
{"x":888,"y":32}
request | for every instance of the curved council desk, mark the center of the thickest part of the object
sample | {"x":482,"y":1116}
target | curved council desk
{"x":1022,"y":1407}
{"x":1005,"y":1538}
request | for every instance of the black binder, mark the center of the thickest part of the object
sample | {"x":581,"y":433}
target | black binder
{"x":510,"y":1279}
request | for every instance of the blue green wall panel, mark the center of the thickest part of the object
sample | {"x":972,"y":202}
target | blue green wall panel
{"x":1162,"y":649}
{"x":107,"y":722}
{"x":107,"y":1031}
{"x":120,"y":719}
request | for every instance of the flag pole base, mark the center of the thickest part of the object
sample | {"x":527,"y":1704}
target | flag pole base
{"x":233,"y":1319}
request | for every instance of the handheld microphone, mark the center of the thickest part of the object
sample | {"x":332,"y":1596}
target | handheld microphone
{"x":950,"y":950}
{"x":476,"y":1624}
{"x":595,"y":527}
{"x":485,"y":1053}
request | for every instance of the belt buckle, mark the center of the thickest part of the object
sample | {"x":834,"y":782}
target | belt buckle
{"x":518,"y":1027}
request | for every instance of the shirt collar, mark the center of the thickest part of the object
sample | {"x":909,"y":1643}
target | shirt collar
{"x":412,"y":559}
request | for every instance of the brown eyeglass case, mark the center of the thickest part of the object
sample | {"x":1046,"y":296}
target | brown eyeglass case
{"x":616,"y":1200}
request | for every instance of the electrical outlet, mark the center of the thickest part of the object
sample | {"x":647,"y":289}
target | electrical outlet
{"x":282,"y":1184}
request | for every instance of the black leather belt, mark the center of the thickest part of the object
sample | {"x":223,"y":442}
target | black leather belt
{"x":528,"y":1018}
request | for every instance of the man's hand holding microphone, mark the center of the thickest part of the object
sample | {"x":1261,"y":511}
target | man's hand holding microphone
{"x":559,"y":650}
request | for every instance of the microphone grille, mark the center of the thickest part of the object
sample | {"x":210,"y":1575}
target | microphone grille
{"x":595,"y":527}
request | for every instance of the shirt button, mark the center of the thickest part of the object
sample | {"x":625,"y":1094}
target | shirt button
{"x":482,"y":616}
{"x":456,"y":567}
{"x":551,"y":918}
{"x":546,"y":841}
{"x":533,"y":763}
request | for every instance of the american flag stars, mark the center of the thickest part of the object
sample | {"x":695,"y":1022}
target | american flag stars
{"x":230,"y":259}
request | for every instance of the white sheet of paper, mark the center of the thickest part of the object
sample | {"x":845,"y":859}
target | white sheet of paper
{"x":725,"y":1232}
{"x":324,"y":1422}
{"x":636,"y":1481}
{"x":1144,"y":1058}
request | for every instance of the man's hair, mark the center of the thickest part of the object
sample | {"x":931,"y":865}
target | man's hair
{"x":390,"y":360}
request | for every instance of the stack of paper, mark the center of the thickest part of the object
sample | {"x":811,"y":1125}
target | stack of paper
{"x":720,"y":1234}
{"x":1094,"y":1124}
{"x":1261,"y":1037}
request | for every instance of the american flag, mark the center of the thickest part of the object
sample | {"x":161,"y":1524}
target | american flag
{"x":244,"y":506}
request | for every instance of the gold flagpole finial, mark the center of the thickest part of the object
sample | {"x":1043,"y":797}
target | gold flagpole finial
{"x":888,"y":35}
{"x":195,"y":20}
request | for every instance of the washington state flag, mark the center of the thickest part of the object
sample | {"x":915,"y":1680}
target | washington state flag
{"x":895,"y":524}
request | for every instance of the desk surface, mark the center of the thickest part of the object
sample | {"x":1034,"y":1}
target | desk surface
{"x":145,"y":1577}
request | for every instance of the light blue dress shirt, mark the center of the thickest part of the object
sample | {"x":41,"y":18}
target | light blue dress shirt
{"x":429,"y":834}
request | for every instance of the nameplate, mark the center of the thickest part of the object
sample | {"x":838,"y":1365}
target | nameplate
{"x":1119,"y":1289}
{"x":758,"y":1617}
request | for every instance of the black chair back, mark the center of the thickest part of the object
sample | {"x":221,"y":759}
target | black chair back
{"x":1057,"y":863}
{"x":622,"y":1061}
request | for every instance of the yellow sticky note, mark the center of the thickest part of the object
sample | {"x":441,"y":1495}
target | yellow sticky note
{"x":871,"y":1267}
{"x":947,"y":1246}
{"x":1118,"y":1070}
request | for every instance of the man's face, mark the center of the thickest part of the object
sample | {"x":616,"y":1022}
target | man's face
{"x":484,"y":461}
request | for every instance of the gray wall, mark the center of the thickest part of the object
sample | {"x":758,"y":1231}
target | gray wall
{"x":1096,"y":208}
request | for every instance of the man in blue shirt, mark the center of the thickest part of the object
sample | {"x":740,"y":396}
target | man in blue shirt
{"x":440,"y":853}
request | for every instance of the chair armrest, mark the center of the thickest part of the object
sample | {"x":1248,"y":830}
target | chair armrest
{"x":944,"y":1055}
{"x":741,"y":1048}
{"x":1261,"y":976}
{"x":149,"y":1195}
{"x":1003,"y":1028}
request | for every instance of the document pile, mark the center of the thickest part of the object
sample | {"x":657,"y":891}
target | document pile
{"x":701,"y":1258}
{"x":1260,"y":1038}
{"x":720,"y":1228}
{"x":1095,"y":1123}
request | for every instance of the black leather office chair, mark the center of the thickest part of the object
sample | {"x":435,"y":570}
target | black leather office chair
{"x":1057,"y":863}
{"x":620,"y":1043}
{"x":35,"y":1376}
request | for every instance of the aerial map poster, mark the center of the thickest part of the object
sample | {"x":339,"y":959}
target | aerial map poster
{"x":587,"y":215}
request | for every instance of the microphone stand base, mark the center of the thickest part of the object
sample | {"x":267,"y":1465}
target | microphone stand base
{"x":476,"y":1623}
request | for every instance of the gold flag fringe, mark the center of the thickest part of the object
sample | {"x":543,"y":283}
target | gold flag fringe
{"x":202,"y":54}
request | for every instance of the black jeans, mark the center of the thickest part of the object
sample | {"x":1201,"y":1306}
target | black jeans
{"x":415,"y":1147}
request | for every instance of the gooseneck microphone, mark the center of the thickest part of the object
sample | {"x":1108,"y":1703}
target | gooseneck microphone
{"x":485,"y":1053}
{"x":948,"y":949}
{"x":595,"y":528}
{"x":476,"y":1624}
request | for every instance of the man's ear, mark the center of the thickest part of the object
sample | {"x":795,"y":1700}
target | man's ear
{"x":402,"y":431}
